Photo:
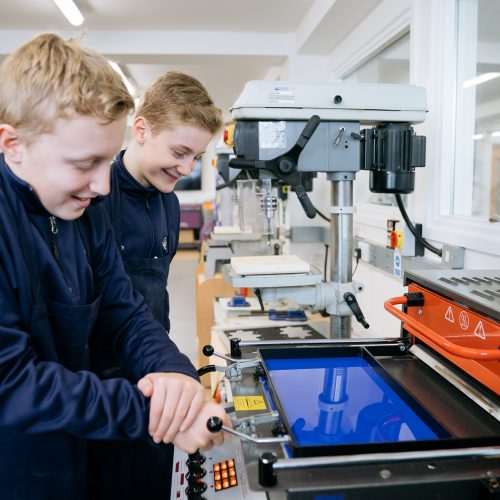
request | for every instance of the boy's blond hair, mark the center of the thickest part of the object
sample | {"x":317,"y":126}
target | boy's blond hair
{"x":177,"y":98}
{"x":49,"y":78}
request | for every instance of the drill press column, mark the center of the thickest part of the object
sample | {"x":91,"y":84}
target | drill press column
{"x":341,"y":233}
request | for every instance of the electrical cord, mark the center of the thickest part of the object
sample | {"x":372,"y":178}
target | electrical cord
{"x":241,"y":175}
{"x":323,"y":216}
{"x":257,"y":293}
{"x":355,"y":267}
{"x":224,"y":185}
{"x":325,"y":268}
{"x":411,"y":227}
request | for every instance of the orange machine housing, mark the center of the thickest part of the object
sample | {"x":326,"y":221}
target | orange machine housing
{"x":458,"y":319}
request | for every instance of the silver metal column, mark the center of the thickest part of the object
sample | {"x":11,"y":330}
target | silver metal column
{"x":341,"y":234}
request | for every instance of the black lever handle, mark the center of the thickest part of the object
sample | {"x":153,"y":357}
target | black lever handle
{"x":207,"y":350}
{"x":305,"y":135}
{"x":292,"y":156}
{"x":309,"y":129}
{"x":214,"y":424}
{"x":284,"y":166}
{"x":354,"y":306}
{"x":305,"y":201}
{"x":242,"y":163}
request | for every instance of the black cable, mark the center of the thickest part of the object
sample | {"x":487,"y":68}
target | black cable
{"x":355,"y":267}
{"x":257,"y":293}
{"x":326,"y":262}
{"x":230,"y":183}
{"x":243,"y":174}
{"x":322,"y":215}
{"x":323,"y":312}
{"x":411,"y":227}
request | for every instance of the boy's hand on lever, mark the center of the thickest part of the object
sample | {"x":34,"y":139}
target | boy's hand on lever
{"x":197,"y":435}
{"x":176,"y":401}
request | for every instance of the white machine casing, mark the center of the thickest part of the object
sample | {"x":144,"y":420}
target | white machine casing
{"x":364,"y":103}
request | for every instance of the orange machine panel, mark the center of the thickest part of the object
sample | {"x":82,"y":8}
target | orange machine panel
{"x":469,"y":340}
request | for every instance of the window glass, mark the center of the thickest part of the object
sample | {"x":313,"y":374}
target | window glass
{"x":391,"y":65}
{"x":476,"y":188}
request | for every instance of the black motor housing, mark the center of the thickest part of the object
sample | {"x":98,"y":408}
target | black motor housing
{"x":391,"y":152}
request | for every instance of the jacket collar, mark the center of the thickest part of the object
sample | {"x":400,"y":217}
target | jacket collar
{"x":23,"y":190}
{"x":127,"y":183}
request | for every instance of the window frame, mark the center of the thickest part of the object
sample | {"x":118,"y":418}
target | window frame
{"x":433,"y":30}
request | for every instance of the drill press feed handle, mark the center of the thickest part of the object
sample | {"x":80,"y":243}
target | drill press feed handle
{"x":284,"y":166}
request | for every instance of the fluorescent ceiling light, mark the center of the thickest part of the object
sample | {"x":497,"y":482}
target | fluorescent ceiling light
{"x":496,"y":133}
{"x":480,"y":79}
{"x":126,"y":81}
{"x":478,"y":137}
{"x":70,"y":11}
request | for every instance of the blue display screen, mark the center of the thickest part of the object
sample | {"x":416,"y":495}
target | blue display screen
{"x":345,"y":400}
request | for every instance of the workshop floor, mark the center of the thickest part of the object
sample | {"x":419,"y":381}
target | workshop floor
{"x":181,"y":290}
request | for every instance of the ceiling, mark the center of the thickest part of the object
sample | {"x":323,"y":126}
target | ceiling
{"x":223,"y":43}
{"x":178,"y":15}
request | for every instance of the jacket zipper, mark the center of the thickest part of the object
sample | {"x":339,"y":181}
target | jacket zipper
{"x":54,"y":230}
{"x":53,"y":238}
{"x":152,"y":224}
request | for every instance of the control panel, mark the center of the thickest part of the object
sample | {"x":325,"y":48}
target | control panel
{"x":216,"y":474}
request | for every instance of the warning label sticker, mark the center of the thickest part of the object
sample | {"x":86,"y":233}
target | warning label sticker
{"x":246,"y":403}
{"x":463,"y":320}
{"x":449,"y":315}
{"x":479,"y":330}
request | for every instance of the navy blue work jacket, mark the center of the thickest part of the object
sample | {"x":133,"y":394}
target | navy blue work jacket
{"x":146,"y":224}
{"x":61,"y":284}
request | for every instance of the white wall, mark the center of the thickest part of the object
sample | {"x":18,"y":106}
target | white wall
{"x":431,"y":46}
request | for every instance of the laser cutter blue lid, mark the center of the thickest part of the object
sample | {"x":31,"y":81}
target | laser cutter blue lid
{"x":344,"y":400}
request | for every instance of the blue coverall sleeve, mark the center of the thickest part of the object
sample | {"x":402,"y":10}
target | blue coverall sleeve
{"x":140,"y":342}
{"x":39,"y":396}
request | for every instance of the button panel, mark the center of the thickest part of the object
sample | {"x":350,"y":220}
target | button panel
{"x":224,"y":475}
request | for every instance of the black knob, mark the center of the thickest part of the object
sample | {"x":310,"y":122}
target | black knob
{"x":195,"y":458}
{"x":267,"y":475}
{"x":195,"y":490}
{"x":194,"y":477}
{"x":195,"y":474}
{"x":196,"y":471}
{"x":337,"y":99}
{"x":214,"y":424}
{"x":208,"y":350}
{"x":235,"y":347}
